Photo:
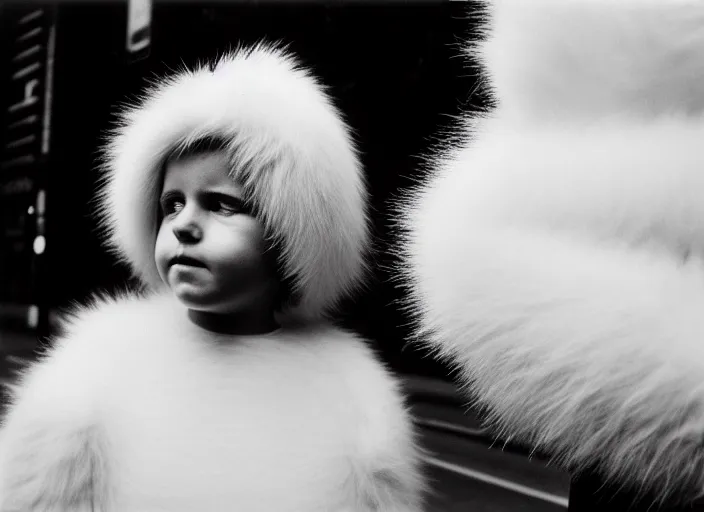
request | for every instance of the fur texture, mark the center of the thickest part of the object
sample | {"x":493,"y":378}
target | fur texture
{"x":580,"y":59}
{"x":137,"y":409}
{"x":289,"y":148}
{"x":557,"y":257}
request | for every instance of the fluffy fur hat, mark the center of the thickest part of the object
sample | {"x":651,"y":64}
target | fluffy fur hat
{"x":289,"y":148}
{"x":556,"y":257}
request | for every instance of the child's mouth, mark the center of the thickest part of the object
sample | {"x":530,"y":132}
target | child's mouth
{"x":187,"y":261}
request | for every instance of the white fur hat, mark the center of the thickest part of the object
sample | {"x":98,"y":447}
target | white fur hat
{"x":289,"y":148}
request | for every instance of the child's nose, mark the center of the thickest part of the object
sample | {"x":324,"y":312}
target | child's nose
{"x":186,"y":228}
{"x":188,"y":233}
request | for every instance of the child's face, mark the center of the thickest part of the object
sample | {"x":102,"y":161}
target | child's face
{"x":209,"y":249}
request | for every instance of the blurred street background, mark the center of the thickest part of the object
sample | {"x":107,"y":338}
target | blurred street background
{"x":397,"y":72}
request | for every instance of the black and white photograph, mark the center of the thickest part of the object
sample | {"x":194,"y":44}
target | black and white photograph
{"x":351,"y":255}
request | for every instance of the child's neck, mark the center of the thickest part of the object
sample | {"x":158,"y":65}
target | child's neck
{"x":244,"y":323}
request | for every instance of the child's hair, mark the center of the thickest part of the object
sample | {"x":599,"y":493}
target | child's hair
{"x":288,"y":147}
{"x":212,"y":144}
{"x":199,"y":146}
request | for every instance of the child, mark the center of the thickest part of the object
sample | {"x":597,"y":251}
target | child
{"x":557,"y":259}
{"x":235,"y":194}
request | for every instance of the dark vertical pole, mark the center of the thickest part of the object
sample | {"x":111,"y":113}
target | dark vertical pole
{"x":28,"y":45}
{"x":43,"y":196}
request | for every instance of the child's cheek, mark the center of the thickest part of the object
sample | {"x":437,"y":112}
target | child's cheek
{"x":162,"y":255}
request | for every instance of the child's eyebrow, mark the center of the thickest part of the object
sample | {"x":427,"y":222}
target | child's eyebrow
{"x":225,"y":190}
{"x":168,"y":192}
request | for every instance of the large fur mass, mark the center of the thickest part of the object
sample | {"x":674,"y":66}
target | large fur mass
{"x":557,"y":258}
{"x":289,"y":148}
{"x":580,"y":59}
{"x":137,"y":409}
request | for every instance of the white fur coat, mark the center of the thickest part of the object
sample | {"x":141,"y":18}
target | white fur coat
{"x":136,"y":409}
{"x":557,"y":258}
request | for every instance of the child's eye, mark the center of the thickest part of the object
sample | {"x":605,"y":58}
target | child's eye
{"x":225,"y":205}
{"x":171,"y":204}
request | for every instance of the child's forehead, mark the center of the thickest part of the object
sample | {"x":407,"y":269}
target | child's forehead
{"x":204,"y":169}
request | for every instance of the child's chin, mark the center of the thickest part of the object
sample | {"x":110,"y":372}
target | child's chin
{"x":192,"y":298}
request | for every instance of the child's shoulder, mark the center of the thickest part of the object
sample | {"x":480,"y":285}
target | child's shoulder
{"x":349,"y":356}
{"x":114,"y":309}
{"x":105,"y":319}
{"x":328,"y":341}
{"x":93,"y":337}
